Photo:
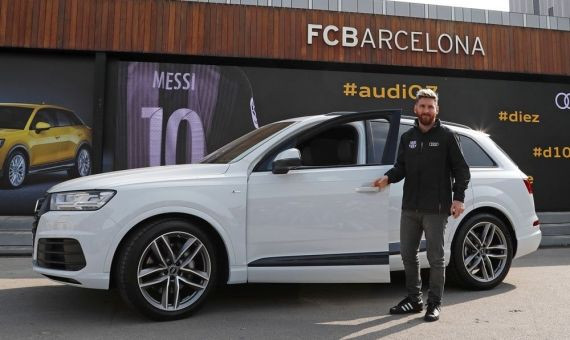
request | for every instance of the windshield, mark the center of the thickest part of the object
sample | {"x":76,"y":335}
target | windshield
{"x":228,"y":152}
{"x":12,"y":117}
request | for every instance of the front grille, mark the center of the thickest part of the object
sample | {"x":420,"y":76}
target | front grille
{"x":60,"y":254}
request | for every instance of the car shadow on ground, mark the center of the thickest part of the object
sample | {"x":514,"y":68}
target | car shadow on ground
{"x":30,"y":302}
{"x":345,"y":310}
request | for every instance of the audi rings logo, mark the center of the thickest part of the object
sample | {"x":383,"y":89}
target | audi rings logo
{"x":562,"y":101}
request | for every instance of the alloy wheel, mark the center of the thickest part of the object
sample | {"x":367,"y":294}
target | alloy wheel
{"x":485,"y":251}
{"x":17,"y":170}
{"x":84,"y":163}
{"x":174,"y":271}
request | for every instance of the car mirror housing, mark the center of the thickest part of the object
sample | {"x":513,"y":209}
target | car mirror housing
{"x":41,"y":126}
{"x":286,"y":160}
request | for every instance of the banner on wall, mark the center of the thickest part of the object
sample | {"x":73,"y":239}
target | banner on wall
{"x":178,"y":113}
{"x":45,"y":126}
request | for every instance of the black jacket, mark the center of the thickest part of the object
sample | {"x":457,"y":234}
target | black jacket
{"x":433,"y":166}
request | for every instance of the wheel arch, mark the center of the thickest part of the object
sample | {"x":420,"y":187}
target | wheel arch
{"x":492,"y":211}
{"x":202,"y":223}
{"x":27,"y":156}
{"x":83,"y":144}
{"x":20,"y":147}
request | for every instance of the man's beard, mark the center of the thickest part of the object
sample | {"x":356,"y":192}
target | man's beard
{"x":427,"y":119}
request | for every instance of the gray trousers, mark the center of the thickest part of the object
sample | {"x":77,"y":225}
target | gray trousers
{"x":412,"y":225}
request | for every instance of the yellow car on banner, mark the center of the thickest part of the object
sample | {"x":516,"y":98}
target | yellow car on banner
{"x":41,"y":138}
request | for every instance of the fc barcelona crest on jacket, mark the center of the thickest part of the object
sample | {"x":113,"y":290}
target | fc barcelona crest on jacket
{"x":412,"y":144}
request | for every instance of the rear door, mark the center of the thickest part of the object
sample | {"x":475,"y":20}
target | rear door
{"x":323,"y":222}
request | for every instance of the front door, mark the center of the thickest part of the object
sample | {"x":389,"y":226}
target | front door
{"x":45,"y":145}
{"x":323,"y":222}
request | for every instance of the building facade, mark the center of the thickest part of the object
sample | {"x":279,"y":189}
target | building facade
{"x":166,"y":82}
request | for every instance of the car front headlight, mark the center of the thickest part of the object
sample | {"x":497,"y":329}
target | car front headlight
{"x":1,"y":142}
{"x":80,"y":200}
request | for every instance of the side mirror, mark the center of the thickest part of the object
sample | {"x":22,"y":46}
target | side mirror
{"x":41,"y":126}
{"x":286,"y":160}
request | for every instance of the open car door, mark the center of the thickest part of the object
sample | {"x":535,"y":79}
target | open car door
{"x":323,"y":221}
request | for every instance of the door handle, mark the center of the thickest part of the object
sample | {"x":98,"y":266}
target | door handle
{"x":367,"y":189}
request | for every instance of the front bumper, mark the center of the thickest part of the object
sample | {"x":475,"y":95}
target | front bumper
{"x":92,"y":230}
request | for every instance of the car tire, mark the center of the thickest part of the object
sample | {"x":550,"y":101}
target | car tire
{"x":15,"y":170}
{"x":82,"y":163}
{"x":168,"y":255}
{"x":481,"y":252}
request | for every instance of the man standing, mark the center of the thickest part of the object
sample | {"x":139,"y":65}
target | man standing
{"x":430,"y":159}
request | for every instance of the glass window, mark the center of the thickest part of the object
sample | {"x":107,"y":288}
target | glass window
{"x":333,"y":5}
{"x":402,"y":8}
{"x":365,"y":6}
{"x":378,"y":6}
{"x":62,"y":118}
{"x":332,"y":147}
{"x":378,"y":135}
{"x":73,"y":118}
{"x":478,"y":15}
{"x":444,"y":12}
{"x":516,"y":19}
{"x":506,"y":18}
{"x":458,"y":12}
{"x":564,"y":24}
{"x":45,"y":116}
{"x":474,"y":155}
{"x":432,"y":11}
{"x":495,"y":17}
{"x":349,"y":6}
{"x":335,"y":146}
{"x":14,"y":117}
{"x":390,"y":7}
{"x":417,"y":10}
{"x":532,"y":21}
{"x":300,"y":3}
{"x":543,"y":22}
{"x":321,"y":4}
{"x":230,"y":151}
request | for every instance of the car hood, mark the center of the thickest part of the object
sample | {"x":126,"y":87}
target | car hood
{"x":117,"y":179}
{"x":6,"y":132}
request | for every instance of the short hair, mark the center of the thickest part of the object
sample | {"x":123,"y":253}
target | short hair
{"x":426,"y":93}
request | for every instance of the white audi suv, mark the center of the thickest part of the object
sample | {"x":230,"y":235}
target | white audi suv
{"x":291,"y":201}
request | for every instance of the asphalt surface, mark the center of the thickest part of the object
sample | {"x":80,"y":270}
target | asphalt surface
{"x":532,"y":303}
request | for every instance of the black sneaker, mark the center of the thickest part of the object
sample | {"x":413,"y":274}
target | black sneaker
{"x":407,"y":306}
{"x":432,"y":312}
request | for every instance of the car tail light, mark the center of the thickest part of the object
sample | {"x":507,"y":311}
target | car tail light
{"x":528,"y":185}
{"x":536,"y":224}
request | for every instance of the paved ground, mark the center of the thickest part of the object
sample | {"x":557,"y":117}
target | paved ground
{"x":532,"y":303}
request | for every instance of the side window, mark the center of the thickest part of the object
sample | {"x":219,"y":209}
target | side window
{"x":377,"y":139}
{"x":46,"y":116}
{"x":335,"y":146}
{"x":63,"y":118}
{"x":73,"y":118}
{"x":474,"y":155}
{"x":378,"y":134}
